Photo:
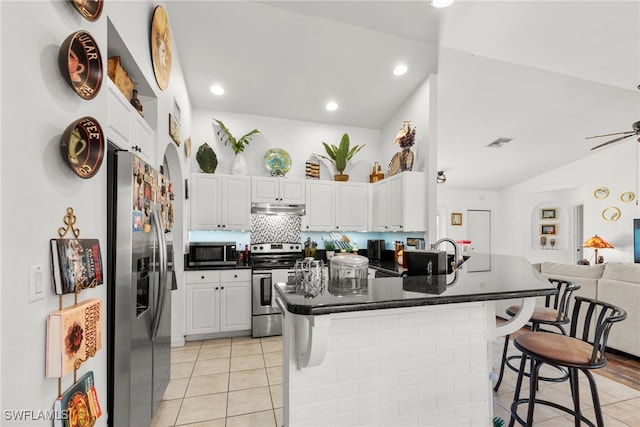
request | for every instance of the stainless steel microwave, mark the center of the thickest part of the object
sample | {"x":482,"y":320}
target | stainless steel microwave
{"x":211,"y":254}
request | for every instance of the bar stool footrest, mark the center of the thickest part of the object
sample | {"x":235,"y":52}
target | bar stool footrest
{"x":516,"y":417}
{"x":563,"y":371}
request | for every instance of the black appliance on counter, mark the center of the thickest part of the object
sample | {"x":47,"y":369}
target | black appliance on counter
{"x":375,"y":249}
{"x":272,"y":263}
{"x":210,"y":254}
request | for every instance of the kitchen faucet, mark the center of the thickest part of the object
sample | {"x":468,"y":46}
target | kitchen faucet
{"x":454,"y":263}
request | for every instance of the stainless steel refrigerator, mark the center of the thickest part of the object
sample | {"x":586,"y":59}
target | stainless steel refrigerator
{"x":139,"y":282}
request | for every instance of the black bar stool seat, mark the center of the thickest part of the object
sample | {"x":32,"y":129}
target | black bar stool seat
{"x":554,"y":313}
{"x":582,"y":350}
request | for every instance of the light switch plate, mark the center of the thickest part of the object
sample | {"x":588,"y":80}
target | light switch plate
{"x":36,"y":285}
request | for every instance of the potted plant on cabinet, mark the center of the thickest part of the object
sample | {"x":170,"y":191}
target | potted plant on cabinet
{"x":239,"y":166}
{"x":340,"y":156}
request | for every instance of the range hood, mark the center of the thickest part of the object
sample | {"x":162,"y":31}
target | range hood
{"x":277,"y":209}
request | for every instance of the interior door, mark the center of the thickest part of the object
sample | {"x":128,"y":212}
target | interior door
{"x":479,"y":232}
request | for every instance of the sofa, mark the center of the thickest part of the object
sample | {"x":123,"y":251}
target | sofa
{"x":613,"y":282}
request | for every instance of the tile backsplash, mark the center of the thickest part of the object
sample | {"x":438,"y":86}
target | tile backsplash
{"x":275,"y":228}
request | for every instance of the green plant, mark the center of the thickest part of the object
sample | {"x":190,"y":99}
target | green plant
{"x":239,"y":144}
{"x":341,"y":154}
{"x":329,"y":245}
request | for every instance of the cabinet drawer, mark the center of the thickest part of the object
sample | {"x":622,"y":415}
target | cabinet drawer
{"x":230,"y":276}
{"x":203,"y":276}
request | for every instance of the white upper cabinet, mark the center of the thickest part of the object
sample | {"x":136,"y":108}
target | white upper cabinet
{"x":277,"y":190}
{"x":398,"y":203}
{"x":220,"y":202}
{"x":336,"y":206}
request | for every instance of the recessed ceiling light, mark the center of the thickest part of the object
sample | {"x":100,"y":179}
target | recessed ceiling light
{"x":441,"y":3}
{"x":216,"y":90}
{"x":331,"y":106}
{"x":400,"y":70}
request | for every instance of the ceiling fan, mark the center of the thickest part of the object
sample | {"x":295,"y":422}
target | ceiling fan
{"x":626,"y":134}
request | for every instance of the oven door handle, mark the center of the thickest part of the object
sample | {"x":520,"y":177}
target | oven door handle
{"x":280,"y":304}
{"x":265,"y":291}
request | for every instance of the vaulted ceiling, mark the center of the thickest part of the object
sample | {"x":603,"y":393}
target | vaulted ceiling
{"x":545,"y":73}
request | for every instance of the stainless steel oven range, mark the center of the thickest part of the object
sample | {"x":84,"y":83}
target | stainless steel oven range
{"x":272,"y":263}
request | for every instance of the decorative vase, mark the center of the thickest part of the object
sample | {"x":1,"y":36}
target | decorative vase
{"x":406,"y":159}
{"x":239,"y":165}
{"x":341,"y":177}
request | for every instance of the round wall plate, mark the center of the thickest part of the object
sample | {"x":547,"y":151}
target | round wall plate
{"x":82,"y":146}
{"x":161,"y":47}
{"x":89,"y":9}
{"x":611,"y":213}
{"x":627,"y":197}
{"x":81,"y":64}
{"x":601,"y":193}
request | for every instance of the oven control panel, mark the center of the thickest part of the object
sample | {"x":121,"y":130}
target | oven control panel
{"x":275,"y":247}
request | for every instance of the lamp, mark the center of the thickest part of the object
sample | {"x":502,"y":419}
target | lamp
{"x":596,"y":243}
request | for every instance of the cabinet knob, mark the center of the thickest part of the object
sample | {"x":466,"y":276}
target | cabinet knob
{"x":221,"y":287}
{"x":224,"y":225}
{"x":202,"y":277}
{"x":235,"y":275}
{"x":218,"y":225}
{"x":216,"y":288}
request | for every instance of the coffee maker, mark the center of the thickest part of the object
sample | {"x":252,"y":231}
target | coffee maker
{"x":375,"y":249}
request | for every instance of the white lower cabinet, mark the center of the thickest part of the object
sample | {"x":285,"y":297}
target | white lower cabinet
{"x":218,"y":301}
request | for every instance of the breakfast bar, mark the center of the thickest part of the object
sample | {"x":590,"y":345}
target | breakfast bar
{"x":399,"y":350}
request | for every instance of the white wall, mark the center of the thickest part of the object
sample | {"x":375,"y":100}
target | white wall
{"x":36,"y":186}
{"x":453,"y":200}
{"x":614,"y":167}
{"x":299,"y":138}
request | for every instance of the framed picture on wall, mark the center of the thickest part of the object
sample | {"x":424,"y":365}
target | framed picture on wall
{"x":548,"y":229}
{"x":174,"y":130}
{"x":549,"y":213}
{"x":456,"y":218}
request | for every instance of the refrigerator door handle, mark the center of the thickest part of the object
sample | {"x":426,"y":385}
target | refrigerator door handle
{"x":162,"y":250}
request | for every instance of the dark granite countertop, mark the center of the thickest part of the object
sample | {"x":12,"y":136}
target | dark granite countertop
{"x":508,"y":277}
{"x":390,"y":268}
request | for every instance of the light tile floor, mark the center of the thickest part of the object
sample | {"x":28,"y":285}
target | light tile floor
{"x":237,"y":382}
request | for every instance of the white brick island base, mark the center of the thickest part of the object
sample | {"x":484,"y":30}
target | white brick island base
{"x":412,"y":366}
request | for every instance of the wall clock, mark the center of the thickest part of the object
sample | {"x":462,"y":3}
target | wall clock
{"x":161,"y":47}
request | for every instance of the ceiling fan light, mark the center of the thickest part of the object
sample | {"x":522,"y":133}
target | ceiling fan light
{"x":441,"y":3}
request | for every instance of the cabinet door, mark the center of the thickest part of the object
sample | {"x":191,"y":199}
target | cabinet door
{"x":264,"y":190}
{"x":143,"y":139}
{"x":235,"y":306}
{"x":351,"y":206}
{"x":379,"y":206}
{"x":396,"y":204}
{"x":319,"y":206}
{"x":119,"y":118}
{"x":292,"y":191}
{"x":236,"y":202}
{"x":205,"y":200}
{"x":203,"y":313}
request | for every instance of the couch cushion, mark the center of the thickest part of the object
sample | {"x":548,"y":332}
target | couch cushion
{"x":622,"y":271}
{"x":585,"y":271}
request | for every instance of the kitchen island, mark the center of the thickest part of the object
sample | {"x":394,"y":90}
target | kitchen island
{"x":399,"y":351}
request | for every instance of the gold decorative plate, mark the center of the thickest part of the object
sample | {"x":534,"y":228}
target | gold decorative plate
{"x":611,"y":213}
{"x":89,"y":9}
{"x":601,"y":193}
{"x":627,"y":197}
{"x":161,"y":47}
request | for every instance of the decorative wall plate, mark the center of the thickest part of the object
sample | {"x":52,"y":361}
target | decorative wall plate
{"x":627,"y":197}
{"x":89,"y":9}
{"x":277,"y":161}
{"x":81,"y":64}
{"x":611,"y":213}
{"x":601,"y":193}
{"x":82,"y":146}
{"x":161,"y":47}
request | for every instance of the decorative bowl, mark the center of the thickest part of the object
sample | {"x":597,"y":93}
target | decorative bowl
{"x":81,"y":64}
{"x":277,"y":161}
{"x":82,"y":146}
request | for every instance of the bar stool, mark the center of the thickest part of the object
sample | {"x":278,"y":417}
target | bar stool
{"x":554,"y":313}
{"x":582,"y":350}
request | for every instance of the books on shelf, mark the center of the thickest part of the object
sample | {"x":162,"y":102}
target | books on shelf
{"x":75,"y":263}
{"x":73,"y":333}
{"x":79,"y":405}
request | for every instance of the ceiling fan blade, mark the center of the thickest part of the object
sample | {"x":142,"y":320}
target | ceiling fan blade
{"x":611,"y":134}
{"x":612,"y":141}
